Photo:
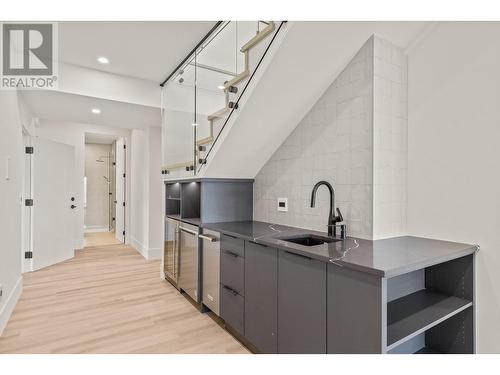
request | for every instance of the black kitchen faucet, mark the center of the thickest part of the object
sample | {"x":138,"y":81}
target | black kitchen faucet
{"x":332,"y":219}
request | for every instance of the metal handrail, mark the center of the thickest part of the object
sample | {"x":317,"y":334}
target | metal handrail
{"x":242,"y":92}
{"x":217,"y":24}
{"x":245,"y":74}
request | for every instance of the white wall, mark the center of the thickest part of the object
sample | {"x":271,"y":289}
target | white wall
{"x":74,"y":134}
{"x":454,"y":153}
{"x":146,"y":232}
{"x":98,"y":189}
{"x":11,"y":148}
{"x":155,"y":195}
{"x":139,"y":191}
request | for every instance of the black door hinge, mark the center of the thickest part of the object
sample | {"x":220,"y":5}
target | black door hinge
{"x":114,"y":163}
{"x":124,"y":175}
{"x":124,"y":147}
{"x":124,"y":233}
{"x":123,"y":204}
{"x":28,"y":255}
{"x":30,"y":150}
{"x":110,"y":193}
{"x":28,"y":202}
{"x":113,"y":219}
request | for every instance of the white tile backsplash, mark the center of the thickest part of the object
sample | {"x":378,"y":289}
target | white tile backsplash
{"x":390,"y":143}
{"x":355,"y":138}
{"x":334,"y":143}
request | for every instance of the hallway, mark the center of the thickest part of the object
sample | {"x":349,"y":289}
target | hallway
{"x":109,"y":299}
{"x":100,"y":239}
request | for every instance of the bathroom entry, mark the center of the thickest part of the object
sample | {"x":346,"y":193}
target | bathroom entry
{"x":100,"y":185}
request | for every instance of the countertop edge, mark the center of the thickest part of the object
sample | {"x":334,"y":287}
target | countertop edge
{"x":389,"y":273}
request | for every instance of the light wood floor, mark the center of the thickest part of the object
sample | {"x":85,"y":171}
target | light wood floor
{"x":109,"y":300}
{"x":100,"y":239}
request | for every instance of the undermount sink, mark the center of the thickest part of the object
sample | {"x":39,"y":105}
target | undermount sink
{"x":310,"y":240}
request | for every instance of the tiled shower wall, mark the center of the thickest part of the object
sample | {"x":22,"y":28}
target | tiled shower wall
{"x":333,"y":143}
{"x":343,"y":140}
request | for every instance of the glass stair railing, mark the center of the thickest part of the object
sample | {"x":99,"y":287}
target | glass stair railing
{"x":200,"y":95}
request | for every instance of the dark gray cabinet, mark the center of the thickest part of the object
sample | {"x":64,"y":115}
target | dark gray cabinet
{"x":232,"y":282}
{"x":261,"y":297}
{"x":231,"y":309}
{"x":232,"y":271}
{"x":301,"y":304}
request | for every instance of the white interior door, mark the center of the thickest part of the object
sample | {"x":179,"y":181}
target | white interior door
{"x":53,"y":188}
{"x":120,"y":191}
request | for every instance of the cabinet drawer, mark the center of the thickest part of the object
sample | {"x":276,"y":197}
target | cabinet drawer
{"x":232,"y":272}
{"x":232,"y":309}
{"x":233,"y":245}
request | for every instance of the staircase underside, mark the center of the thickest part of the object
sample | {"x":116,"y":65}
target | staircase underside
{"x":294,"y":76}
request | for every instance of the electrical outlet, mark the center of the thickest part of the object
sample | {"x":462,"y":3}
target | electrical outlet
{"x":283,"y":204}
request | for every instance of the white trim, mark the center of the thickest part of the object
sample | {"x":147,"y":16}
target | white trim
{"x":10,"y":304}
{"x":96,"y":229}
{"x":148,"y":254}
{"x":141,"y":249}
{"x":154,"y":254}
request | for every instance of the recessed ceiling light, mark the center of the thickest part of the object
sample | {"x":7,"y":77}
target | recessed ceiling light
{"x":96,"y":111}
{"x":221,"y":87}
{"x":103,"y":60}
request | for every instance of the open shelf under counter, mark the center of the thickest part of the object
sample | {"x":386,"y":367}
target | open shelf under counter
{"x":413,"y":314}
{"x":426,"y":350}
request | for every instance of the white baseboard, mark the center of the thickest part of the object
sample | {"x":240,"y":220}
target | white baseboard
{"x":10,"y":304}
{"x":154,"y":254}
{"x":138,"y":246}
{"x":148,"y":254}
{"x":96,"y":229}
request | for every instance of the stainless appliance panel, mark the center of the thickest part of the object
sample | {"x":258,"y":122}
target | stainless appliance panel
{"x":188,"y":273}
{"x":211,"y":269}
{"x":171,"y":251}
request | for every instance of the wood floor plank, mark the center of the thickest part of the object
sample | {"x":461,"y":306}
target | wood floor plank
{"x":108,"y":299}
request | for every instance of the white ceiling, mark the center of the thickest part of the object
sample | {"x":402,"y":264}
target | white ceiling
{"x":102,"y":139}
{"x":147,"y":50}
{"x":57,"y":106}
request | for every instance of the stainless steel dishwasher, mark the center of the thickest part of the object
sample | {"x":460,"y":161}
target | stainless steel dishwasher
{"x":211,"y":269}
{"x":188,"y":272}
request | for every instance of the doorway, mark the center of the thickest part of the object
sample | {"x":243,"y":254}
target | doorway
{"x":103,"y":183}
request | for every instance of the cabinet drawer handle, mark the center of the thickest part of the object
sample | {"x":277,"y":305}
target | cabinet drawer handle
{"x":258,"y":244}
{"x":231,"y":253}
{"x":208,"y":237}
{"x":235,"y":293}
{"x":192,"y":232}
{"x":298,"y":255}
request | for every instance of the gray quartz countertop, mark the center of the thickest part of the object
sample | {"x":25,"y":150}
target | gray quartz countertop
{"x":385,"y":258}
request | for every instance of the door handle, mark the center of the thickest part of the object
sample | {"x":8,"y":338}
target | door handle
{"x":192,"y":232}
{"x":208,"y":237}
{"x":73,"y":206}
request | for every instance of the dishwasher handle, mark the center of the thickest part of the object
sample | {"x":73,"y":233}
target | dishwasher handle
{"x":192,"y":232}
{"x":208,"y":237}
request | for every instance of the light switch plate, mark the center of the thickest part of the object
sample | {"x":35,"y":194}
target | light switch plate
{"x":283,"y":204}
